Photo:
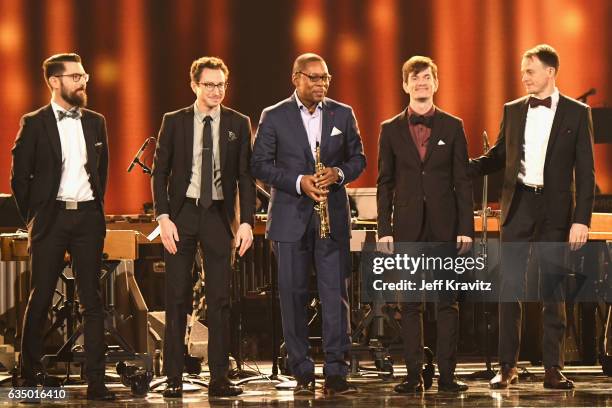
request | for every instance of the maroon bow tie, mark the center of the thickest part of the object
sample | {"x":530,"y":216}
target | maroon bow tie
{"x":535,"y":102}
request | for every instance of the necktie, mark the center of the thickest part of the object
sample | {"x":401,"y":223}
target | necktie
{"x":206,"y":171}
{"x":535,"y":102}
{"x":72,"y":113}
{"x":421,"y":120}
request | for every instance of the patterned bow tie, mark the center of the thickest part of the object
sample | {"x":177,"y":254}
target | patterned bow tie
{"x":535,"y":102}
{"x":72,"y":113}
{"x":421,"y":120}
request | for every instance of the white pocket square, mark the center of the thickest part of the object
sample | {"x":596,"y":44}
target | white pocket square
{"x":336,"y":131}
{"x":441,"y":143}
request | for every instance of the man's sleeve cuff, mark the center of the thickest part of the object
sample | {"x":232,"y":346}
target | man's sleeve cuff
{"x":340,"y":175}
{"x":297,"y":184}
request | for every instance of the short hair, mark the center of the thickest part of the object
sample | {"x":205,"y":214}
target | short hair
{"x":302,"y":60}
{"x":417,"y":64}
{"x":545,"y":53}
{"x":54,"y":65}
{"x":200,"y":64}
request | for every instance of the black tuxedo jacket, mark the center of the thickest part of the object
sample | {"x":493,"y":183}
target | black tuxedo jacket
{"x":438,"y":186}
{"x":569,"y":169}
{"x":174,"y":156}
{"x":37,"y":165}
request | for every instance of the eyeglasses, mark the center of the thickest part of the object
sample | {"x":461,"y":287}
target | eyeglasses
{"x":210,"y":86}
{"x":75,"y":77}
{"x":316,"y":78}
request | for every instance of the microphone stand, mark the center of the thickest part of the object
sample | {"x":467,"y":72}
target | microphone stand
{"x":485,"y":212}
{"x":136,"y":160}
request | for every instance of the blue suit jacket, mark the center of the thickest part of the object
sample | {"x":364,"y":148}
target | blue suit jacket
{"x":282,"y":152}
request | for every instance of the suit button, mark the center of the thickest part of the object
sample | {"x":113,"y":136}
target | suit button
{"x":423,"y":172}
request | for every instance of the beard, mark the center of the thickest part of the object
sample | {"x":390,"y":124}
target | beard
{"x":75,"y":98}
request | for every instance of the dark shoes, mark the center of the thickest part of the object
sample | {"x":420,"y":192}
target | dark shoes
{"x":410,"y":385}
{"x":174,"y":388}
{"x":223,"y":387}
{"x":337,"y":385}
{"x":305,"y":386}
{"x":554,"y":378}
{"x":505,"y":376}
{"x":98,"y":392}
{"x":451,"y":385}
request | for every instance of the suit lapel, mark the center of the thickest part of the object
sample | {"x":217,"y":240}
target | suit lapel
{"x":554,"y":131}
{"x":406,"y":137}
{"x":188,"y":129}
{"x":326,"y":128}
{"x":522,"y":122}
{"x":223,"y":134}
{"x":52,"y":132}
{"x":436,"y":133}
{"x":90,"y":140}
{"x":293,"y":112}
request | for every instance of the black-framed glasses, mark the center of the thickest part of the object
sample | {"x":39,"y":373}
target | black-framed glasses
{"x":210,"y":86}
{"x":75,"y":77}
{"x":316,"y":78}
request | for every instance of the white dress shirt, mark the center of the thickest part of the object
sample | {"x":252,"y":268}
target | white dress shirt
{"x":537,"y":132}
{"x":74,"y":182}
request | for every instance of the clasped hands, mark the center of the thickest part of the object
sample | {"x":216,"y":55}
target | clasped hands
{"x":316,"y":186}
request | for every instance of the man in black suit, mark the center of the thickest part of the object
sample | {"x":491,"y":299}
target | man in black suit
{"x":545,"y":145}
{"x":284,"y":157}
{"x":201,"y":164}
{"x":60,"y":164}
{"x":423,"y":182}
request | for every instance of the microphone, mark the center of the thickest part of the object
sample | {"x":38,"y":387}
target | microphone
{"x":485,"y":142}
{"x":136,"y":158}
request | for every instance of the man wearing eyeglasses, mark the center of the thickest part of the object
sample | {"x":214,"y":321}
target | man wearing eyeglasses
{"x":201,"y":164}
{"x":60,"y":165}
{"x":284,"y":157}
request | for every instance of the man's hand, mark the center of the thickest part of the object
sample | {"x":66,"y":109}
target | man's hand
{"x":327,"y":177}
{"x":308,"y":185}
{"x":464,"y":244}
{"x":578,"y":235}
{"x":168,"y":234}
{"x":244,"y":238}
{"x":385,"y":244}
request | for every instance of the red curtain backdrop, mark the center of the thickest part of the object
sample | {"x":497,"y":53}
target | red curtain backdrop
{"x":138,"y":53}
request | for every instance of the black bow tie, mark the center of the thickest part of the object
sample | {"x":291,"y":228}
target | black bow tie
{"x":535,"y":102}
{"x":421,"y":120}
{"x":72,"y":113}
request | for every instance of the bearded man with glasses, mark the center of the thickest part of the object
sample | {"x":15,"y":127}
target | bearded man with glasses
{"x":58,"y":178}
{"x":200,"y":167}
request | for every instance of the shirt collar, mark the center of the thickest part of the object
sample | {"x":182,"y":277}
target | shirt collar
{"x":214,"y":114}
{"x":301,"y":105}
{"x":56,"y":108}
{"x":430,"y":112}
{"x":554,"y":98}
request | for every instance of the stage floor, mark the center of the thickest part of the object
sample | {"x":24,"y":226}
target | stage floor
{"x":592,"y":389}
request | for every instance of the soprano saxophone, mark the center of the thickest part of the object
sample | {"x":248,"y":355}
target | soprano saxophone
{"x":321,"y":207}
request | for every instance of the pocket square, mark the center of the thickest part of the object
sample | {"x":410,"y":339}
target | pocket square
{"x":231,"y":136}
{"x":441,"y":143}
{"x":98,"y":144}
{"x":336,"y":131}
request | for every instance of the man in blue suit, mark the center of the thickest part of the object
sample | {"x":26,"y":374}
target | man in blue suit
{"x":284,"y":157}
